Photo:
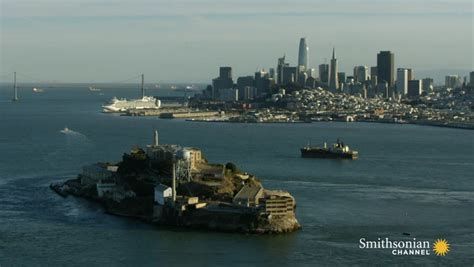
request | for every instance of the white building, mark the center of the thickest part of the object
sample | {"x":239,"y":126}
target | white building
{"x":105,"y":187}
{"x":162,"y":192}
{"x":402,"y":81}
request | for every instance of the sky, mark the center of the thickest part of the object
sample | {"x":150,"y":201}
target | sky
{"x":187,"y":41}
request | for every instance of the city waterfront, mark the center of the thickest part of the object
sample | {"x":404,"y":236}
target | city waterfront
{"x":409,"y":179}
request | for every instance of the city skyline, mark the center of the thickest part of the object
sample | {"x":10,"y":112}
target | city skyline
{"x":140,"y":37}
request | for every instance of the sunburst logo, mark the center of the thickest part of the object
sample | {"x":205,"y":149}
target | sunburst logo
{"x":441,"y":247}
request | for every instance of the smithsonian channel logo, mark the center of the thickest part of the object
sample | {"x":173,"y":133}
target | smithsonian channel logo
{"x":413,"y":247}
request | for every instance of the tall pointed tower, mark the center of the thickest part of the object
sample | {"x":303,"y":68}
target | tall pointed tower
{"x":303,"y":54}
{"x":333,"y":80}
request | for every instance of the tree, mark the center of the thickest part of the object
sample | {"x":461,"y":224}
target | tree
{"x":231,"y":166}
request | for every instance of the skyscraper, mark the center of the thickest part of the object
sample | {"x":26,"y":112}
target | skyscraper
{"x":281,"y":65}
{"x":271,"y":73}
{"x":324,"y":73}
{"x":471,"y":78}
{"x":333,"y":79}
{"x":289,"y":75}
{"x":262,"y":82}
{"x":452,"y":81}
{"x":303,"y":54}
{"x":414,"y":88}
{"x":361,"y":73}
{"x":225,"y":73}
{"x":341,"y":77}
{"x":245,"y":85}
{"x":373,"y":76}
{"x":411,"y":75}
{"x":385,"y":67}
{"x":427,"y":85}
{"x":224,"y":81}
{"x":402,"y":81}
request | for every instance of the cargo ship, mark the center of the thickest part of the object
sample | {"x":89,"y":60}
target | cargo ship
{"x":338,"y":150}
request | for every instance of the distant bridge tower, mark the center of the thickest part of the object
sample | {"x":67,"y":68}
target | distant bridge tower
{"x":143,"y":87}
{"x":15,"y":88}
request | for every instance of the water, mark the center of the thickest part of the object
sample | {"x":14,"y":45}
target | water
{"x":414,"y":179}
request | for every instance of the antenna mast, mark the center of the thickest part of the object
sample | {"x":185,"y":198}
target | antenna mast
{"x":143,"y":88}
{"x":15,"y":89}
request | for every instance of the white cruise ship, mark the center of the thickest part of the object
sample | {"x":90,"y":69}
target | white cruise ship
{"x":123,"y":105}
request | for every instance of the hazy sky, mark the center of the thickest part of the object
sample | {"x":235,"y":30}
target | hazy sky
{"x":110,"y":41}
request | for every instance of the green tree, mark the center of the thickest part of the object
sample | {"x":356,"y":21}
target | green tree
{"x":231,"y":166}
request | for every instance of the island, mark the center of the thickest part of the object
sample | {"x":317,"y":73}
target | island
{"x":175,"y":186}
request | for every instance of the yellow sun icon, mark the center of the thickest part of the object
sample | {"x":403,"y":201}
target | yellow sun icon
{"x":441,"y":247}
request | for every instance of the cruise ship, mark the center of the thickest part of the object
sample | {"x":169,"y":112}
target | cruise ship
{"x":124,"y":105}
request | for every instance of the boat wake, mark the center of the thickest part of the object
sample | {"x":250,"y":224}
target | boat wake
{"x":70,"y":132}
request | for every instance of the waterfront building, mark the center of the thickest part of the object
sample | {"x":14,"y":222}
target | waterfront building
{"x":452,"y":81}
{"x":104,"y":187}
{"x":303,"y":54}
{"x":385,"y":67}
{"x":249,"y":195}
{"x":427,"y":85}
{"x":224,"y":81}
{"x":402,"y":81}
{"x":414,"y":88}
{"x":162,"y":193}
{"x":324,"y":73}
{"x":333,"y":79}
{"x":361,"y":73}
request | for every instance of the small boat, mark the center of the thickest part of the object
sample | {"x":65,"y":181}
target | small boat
{"x":65,"y":130}
{"x":93,"y":89}
{"x":38,"y":90}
